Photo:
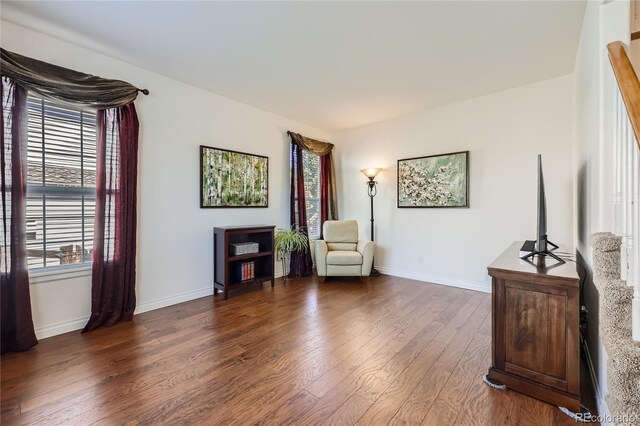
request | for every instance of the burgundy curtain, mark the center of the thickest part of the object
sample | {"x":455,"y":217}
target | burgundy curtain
{"x":328,"y":197}
{"x":16,"y":322}
{"x":300,"y":264}
{"x":113,"y":296}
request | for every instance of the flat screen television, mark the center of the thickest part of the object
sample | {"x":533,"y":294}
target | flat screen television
{"x":540,"y":247}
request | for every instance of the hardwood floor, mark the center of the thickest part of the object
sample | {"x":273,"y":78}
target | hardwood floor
{"x":392,"y":351}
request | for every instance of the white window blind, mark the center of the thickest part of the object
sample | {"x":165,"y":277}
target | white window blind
{"x":311,"y":166}
{"x":61,"y":182}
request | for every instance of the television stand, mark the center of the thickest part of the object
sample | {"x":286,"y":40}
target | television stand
{"x":536,"y":329}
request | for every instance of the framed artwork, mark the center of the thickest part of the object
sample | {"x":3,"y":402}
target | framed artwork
{"x":233,"y":179}
{"x":434,"y":181}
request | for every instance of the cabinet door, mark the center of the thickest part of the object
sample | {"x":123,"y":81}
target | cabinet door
{"x":536,"y":333}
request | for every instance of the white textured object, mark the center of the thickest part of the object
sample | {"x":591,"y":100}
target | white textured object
{"x":485,"y":377}
{"x":239,"y":249}
{"x":584,"y":415}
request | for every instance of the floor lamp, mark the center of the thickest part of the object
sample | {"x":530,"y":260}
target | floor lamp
{"x":372,"y":190}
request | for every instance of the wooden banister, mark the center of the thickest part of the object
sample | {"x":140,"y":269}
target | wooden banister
{"x":627,"y":82}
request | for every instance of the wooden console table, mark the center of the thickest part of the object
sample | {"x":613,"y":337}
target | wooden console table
{"x":226,"y":272}
{"x":535,"y":327}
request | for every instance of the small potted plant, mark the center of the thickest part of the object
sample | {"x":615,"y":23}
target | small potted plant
{"x":289,"y":241}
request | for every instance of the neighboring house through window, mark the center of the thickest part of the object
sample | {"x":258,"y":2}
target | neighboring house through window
{"x":61,"y":183}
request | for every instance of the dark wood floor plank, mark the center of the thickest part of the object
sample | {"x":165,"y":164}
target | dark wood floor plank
{"x":233,"y":385}
{"x":403,"y":382}
{"x":485,"y":405}
{"x":415,"y":408}
{"x":285,"y":380}
{"x":366,"y":380}
{"x":467,"y":372}
{"x":214,"y":342}
{"x":388,"y":351}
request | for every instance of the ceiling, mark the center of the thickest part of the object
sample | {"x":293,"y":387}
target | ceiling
{"x":332,"y":65}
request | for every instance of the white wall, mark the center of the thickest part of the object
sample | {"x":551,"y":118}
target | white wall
{"x":594,"y":87}
{"x":174,"y":235}
{"x":504,"y":132}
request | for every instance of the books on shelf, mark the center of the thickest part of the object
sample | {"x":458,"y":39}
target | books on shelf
{"x":247,"y":270}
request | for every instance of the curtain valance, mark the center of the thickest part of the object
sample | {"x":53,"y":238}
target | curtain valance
{"x":312,"y":145}
{"x":65,"y":85}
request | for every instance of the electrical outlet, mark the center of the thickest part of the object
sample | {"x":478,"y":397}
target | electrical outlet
{"x":420,"y":259}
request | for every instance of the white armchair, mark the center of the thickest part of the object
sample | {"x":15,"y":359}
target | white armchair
{"x":340,"y":253}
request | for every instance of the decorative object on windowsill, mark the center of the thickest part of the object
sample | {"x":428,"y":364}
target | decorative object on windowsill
{"x":372,"y":190}
{"x":289,"y":241}
{"x":434,"y":181}
{"x":238,"y":249}
{"x":233,"y":179}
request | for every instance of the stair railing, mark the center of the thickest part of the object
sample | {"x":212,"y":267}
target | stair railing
{"x":626,"y":191}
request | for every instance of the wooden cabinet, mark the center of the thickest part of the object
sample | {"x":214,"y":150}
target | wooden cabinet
{"x":227,"y":270}
{"x":535,"y":328}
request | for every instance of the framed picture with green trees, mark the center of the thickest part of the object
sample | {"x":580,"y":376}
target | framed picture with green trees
{"x":233,"y":179}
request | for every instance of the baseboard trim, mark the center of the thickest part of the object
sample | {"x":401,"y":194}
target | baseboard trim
{"x":79,"y":323}
{"x":173,"y":300}
{"x":604,"y":415}
{"x":451,"y":282}
{"x":61,"y":327}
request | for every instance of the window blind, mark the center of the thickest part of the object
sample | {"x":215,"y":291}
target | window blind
{"x":311,"y":166}
{"x":61,"y":180}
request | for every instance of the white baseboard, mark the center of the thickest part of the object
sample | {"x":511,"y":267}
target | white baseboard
{"x":79,"y":323}
{"x":173,"y":300}
{"x":61,"y":327}
{"x":183,"y":297}
{"x":604,"y":415}
{"x":452,"y":282}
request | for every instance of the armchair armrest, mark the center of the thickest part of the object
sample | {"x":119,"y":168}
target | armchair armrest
{"x":321,"y":257}
{"x":366,"y":248}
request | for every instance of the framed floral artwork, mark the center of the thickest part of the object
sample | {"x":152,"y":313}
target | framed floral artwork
{"x":434,"y":181}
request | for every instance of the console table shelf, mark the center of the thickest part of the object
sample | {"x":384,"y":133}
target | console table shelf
{"x":227,"y":267}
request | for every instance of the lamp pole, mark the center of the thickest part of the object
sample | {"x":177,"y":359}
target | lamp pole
{"x":372,"y":190}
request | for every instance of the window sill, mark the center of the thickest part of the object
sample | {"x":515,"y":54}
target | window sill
{"x":45,"y":275}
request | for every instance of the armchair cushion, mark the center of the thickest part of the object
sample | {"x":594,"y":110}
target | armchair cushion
{"x":340,"y":231}
{"x":344,"y":258}
{"x":342,"y":246}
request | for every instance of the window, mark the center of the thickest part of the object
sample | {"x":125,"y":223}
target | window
{"x":311,"y":166}
{"x":61,"y":183}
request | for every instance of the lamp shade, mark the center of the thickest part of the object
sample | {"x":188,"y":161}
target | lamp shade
{"x":371,"y":173}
